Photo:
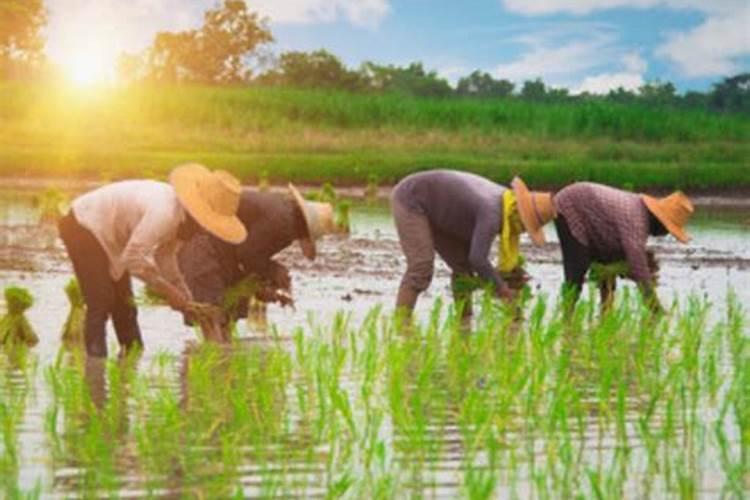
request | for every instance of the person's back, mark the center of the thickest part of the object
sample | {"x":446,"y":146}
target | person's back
{"x":453,"y":201}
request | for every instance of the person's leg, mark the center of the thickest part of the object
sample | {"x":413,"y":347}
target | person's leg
{"x":576,"y":261}
{"x":91,"y":267}
{"x":125,"y":315}
{"x":415,"y":236}
{"x":455,"y":253}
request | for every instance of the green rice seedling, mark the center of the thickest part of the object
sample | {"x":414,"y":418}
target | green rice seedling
{"x":52,"y":204}
{"x":72,"y":331}
{"x":371,"y":190}
{"x":263,"y":183}
{"x":14,"y":327}
{"x":342,"y":216}
{"x":326,"y":194}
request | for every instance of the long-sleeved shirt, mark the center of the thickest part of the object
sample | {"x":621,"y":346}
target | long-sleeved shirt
{"x":136,"y":222}
{"x":460,"y":205}
{"x":273,"y":222}
{"x":612,"y":223}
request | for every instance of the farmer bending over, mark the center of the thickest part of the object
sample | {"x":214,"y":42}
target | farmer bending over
{"x":601,"y":224}
{"x":274,"y":221}
{"x":458,"y":215}
{"x":135,"y":228}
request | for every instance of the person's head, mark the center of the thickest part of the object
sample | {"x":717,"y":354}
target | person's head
{"x":210,"y":200}
{"x":669,"y":215}
{"x":535,"y":208}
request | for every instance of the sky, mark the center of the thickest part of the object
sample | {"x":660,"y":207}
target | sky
{"x":583,"y":45}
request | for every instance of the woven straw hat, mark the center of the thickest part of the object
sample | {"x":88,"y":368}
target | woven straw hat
{"x":319,"y":219}
{"x":535,"y":208}
{"x":211,"y":198}
{"x":673,"y":211}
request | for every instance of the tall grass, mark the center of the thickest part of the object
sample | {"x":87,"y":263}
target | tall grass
{"x":316,"y":136}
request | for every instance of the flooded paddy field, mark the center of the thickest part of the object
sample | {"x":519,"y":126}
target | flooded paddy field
{"x":327,"y":400}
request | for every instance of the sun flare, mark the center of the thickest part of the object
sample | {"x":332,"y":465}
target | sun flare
{"x":87,"y":68}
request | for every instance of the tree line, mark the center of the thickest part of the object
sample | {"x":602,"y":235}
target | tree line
{"x":231,"y":48}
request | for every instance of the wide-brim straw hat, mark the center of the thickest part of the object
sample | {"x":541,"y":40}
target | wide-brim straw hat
{"x":535,"y":208}
{"x":673,"y":212}
{"x":211,"y":198}
{"x":319,"y":220}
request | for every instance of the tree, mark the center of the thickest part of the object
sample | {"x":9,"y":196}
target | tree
{"x":534,"y":90}
{"x":215,"y":53}
{"x":658,"y":93}
{"x":732,"y":94}
{"x":412,"y":80}
{"x":318,"y":69}
{"x":21,"y":42}
{"x":483,"y":85}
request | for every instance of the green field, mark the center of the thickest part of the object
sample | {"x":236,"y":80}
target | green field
{"x":314,"y":136}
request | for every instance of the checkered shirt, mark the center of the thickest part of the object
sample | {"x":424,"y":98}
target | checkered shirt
{"x":612,"y":223}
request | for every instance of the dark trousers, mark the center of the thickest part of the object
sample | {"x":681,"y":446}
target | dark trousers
{"x":420,"y":243}
{"x":104,"y":297}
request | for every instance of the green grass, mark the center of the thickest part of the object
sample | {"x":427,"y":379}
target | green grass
{"x":550,"y":407}
{"x":317,"y":136}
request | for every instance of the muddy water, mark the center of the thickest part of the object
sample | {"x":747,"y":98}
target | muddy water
{"x":352,"y":275}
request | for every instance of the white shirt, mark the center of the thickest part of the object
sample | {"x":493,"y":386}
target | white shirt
{"x":136,"y":223}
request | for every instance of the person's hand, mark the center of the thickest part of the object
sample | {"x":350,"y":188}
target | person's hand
{"x":177,"y":300}
{"x":507,"y":294}
{"x":280,"y":277}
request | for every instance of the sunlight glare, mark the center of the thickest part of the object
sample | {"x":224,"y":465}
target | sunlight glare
{"x":87,"y":68}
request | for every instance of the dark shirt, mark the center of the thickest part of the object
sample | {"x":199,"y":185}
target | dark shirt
{"x":613,"y":224}
{"x":209,"y":265}
{"x":459,"y":205}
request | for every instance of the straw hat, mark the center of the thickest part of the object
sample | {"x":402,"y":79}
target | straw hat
{"x":319,"y":220}
{"x":673,"y":211}
{"x":211,"y":198}
{"x":536,"y":209}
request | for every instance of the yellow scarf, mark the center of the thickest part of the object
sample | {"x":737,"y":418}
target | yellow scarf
{"x":510,"y":233}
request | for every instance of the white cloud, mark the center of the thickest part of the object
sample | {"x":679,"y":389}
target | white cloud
{"x":629,"y":78}
{"x":113,"y":26}
{"x":710,"y":49}
{"x":363,"y":13}
{"x":580,"y":7}
{"x":561,"y":55}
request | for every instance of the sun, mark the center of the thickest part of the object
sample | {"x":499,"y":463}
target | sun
{"x":88,"y":68}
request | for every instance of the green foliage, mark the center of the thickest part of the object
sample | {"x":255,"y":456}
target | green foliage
{"x":51,"y":205}
{"x":315,"y":136}
{"x":14,"y":327}
{"x":215,"y":53}
{"x":318,"y":69}
{"x":479,"y":84}
{"x":73,"y":328}
{"x":21,"y":40}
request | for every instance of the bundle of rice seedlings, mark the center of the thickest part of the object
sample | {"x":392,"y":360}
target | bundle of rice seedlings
{"x":14,"y":327}
{"x":52,"y":205}
{"x":72,"y":331}
{"x":342,"y":216}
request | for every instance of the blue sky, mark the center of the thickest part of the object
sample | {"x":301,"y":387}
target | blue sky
{"x":589,"y":45}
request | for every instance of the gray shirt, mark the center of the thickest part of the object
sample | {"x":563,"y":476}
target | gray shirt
{"x":460,"y":205}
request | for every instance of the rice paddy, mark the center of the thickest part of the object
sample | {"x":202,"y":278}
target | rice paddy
{"x":334,"y":400}
{"x":619,"y":406}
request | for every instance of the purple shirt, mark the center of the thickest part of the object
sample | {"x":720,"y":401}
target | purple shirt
{"x":612,"y":223}
{"x":460,"y":205}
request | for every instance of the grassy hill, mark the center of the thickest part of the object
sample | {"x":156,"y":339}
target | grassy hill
{"x":315,"y":136}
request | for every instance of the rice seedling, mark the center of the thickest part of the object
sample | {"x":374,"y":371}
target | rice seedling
{"x":72,"y":331}
{"x":554,"y":405}
{"x":14,"y":327}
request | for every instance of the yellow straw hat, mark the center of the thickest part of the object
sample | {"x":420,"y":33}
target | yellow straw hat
{"x":211,"y":198}
{"x":535,"y":208}
{"x":673,"y":211}
{"x":319,"y":220}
